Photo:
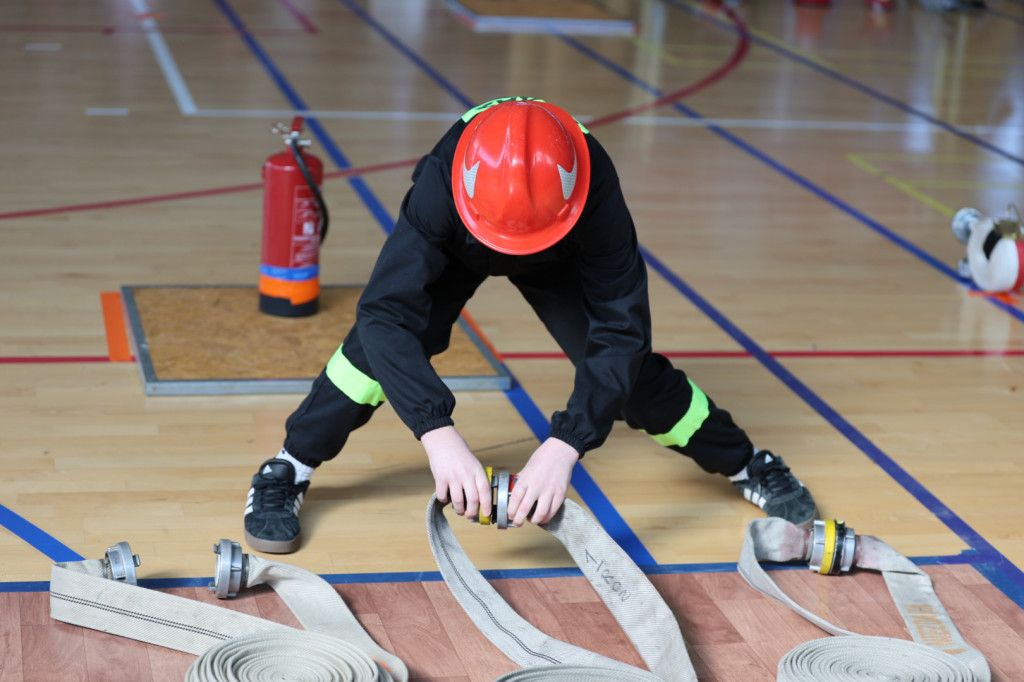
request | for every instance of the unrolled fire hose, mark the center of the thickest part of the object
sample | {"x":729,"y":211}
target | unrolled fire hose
{"x":938,"y":652}
{"x":629,"y":595}
{"x":101,"y":594}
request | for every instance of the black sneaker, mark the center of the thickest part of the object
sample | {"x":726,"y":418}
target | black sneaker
{"x":774,"y":489}
{"x":272,"y":510}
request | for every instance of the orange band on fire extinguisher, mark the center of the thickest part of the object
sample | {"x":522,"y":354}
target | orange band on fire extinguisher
{"x":297,"y":292}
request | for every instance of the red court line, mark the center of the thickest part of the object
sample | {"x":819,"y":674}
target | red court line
{"x":53,"y":359}
{"x":1010,"y":352}
{"x":192,"y":195}
{"x":299,"y":15}
{"x":734,"y":59}
{"x":737,"y":56}
{"x":802,"y":354}
{"x":113,"y":321}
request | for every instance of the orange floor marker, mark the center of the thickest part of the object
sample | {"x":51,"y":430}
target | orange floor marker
{"x":483,"y":339}
{"x":1006,"y":297}
{"x":113,"y":320}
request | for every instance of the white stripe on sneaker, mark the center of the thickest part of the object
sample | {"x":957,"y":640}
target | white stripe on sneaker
{"x":754,"y":497}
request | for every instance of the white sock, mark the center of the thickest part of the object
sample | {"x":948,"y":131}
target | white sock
{"x":743,"y":473}
{"x":302,"y":471}
{"x":741,"y":476}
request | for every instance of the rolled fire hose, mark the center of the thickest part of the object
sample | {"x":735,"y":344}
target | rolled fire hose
{"x":629,"y":595}
{"x":938,"y":652}
{"x":101,"y":594}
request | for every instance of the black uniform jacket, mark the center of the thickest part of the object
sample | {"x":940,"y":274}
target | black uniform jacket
{"x":401,"y":306}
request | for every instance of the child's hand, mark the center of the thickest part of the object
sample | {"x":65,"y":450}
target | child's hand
{"x":542,"y":483}
{"x":458,"y":474}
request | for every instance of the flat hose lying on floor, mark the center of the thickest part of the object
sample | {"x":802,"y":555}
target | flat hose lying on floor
{"x":230,"y":645}
{"x":938,"y":652}
{"x":629,"y":595}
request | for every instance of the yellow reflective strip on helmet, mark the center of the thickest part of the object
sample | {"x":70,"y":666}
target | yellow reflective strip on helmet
{"x":494,"y":102}
{"x":687,"y":426}
{"x":352,"y":382}
{"x":468,"y":116}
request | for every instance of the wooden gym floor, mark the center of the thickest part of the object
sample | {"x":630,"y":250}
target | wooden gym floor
{"x":792,"y":172}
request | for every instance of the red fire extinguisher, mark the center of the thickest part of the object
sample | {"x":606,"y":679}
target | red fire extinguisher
{"x":294,"y":226}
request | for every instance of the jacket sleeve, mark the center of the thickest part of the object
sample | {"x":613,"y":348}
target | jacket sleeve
{"x":614,"y":280}
{"x":394,"y":310}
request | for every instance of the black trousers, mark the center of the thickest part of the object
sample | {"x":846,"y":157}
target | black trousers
{"x":318,"y":429}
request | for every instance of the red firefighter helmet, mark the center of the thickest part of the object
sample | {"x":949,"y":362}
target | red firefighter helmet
{"x":521,"y":175}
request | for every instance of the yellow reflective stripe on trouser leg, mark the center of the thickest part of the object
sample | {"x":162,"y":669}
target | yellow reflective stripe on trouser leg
{"x":355,"y":384}
{"x":687,"y":426}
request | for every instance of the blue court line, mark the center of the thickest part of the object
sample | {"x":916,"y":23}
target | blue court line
{"x":36,"y":537}
{"x":445,"y":84}
{"x":846,"y":80}
{"x":357,"y":183}
{"x":495,"y":574}
{"x":581,"y":481}
{"x":1001,"y":572}
{"x":821,"y":192}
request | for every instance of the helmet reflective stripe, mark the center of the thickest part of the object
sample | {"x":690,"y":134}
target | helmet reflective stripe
{"x":353,"y":383}
{"x":568,"y":179}
{"x":469,"y":178}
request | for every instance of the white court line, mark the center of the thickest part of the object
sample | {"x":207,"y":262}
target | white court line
{"x":315,"y":113}
{"x":107,"y":111}
{"x":855,"y":126}
{"x":179,"y":89}
{"x":187,"y":105}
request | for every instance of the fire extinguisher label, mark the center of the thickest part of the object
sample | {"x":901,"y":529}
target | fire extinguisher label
{"x":305,"y":247}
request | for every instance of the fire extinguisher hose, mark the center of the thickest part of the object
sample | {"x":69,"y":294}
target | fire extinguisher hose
{"x":321,"y":205}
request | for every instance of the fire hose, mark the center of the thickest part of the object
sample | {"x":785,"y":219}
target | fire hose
{"x":938,"y":652}
{"x":103,"y":595}
{"x":625,"y":590}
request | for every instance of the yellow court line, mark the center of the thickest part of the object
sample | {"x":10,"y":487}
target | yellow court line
{"x":970,"y":184}
{"x":933,"y":158}
{"x":789,"y":48}
{"x":651,"y":47}
{"x":904,"y":187}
